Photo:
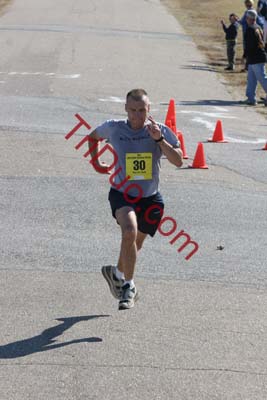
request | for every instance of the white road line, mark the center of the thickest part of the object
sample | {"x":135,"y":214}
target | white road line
{"x":112,"y":99}
{"x":210,"y":126}
{"x":235,"y":140}
{"x":2,"y":81}
{"x":117,"y":99}
{"x":27,"y":73}
{"x":220,"y":109}
{"x":207,"y":124}
{"x":73,"y":76}
{"x":207,"y":114}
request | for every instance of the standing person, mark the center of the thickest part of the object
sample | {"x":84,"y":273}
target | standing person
{"x":230,"y":35}
{"x":139,"y":142}
{"x":256,"y":58}
{"x":249,"y":4}
{"x":262,"y":11}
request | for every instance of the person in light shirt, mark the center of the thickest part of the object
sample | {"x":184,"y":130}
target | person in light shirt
{"x":136,"y":203}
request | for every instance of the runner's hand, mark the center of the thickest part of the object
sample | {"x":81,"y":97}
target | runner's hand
{"x":101,"y":167}
{"x":154,"y":129}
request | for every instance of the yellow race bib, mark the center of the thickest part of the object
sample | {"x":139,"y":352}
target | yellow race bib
{"x":139,"y":166}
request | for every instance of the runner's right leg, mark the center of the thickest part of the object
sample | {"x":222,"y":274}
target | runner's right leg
{"x":115,"y":284}
{"x":139,"y":243}
{"x":126,"y":218}
{"x":140,"y":239}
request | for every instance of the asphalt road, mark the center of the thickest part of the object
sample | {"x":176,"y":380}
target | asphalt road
{"x":199,"y":330}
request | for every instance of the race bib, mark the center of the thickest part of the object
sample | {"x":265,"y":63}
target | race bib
{"x":139,"y":166}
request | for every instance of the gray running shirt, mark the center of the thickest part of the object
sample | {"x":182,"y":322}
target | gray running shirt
{"x":138,"y":156}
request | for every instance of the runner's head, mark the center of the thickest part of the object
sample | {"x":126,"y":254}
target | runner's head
{"x":137,"y":107}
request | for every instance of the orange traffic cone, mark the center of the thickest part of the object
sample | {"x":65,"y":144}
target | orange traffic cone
{"x":180,"y":137}
{"x":169,"y":124}
{"x":218,"y":134}
{"x":199,"y":160}
{"x":171,"y":116}
{"x":265,"y":147}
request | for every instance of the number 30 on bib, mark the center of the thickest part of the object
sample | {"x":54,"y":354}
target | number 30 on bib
{"x":139,"y":166}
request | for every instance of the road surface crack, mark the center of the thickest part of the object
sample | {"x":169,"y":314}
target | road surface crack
{"x":152,"y":367}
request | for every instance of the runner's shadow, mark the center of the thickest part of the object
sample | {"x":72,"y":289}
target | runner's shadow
{"x":43,"y":342}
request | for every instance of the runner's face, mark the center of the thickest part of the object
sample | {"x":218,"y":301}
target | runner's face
{"x":137,"y":112}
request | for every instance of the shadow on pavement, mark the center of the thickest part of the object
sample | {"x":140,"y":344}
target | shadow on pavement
{"x":210,"y":102}
{"x":43,"y":342}
{"x":199,"y":68}
{"x":207,"y":102}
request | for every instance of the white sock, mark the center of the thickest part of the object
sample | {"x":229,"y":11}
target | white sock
{"x":119,"y":274}
{"x":131,"y":283}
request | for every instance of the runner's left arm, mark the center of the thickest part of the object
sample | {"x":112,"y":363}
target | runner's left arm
{"x":174,"y":155}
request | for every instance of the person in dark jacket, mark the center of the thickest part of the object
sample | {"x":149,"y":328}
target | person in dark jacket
{"x":262,"y":12}
{"x":230,"y":35}
{"x":249,"y":4}
{"x":256,"y":58}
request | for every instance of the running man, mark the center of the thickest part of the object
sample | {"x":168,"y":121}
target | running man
{"x":136,"y":204}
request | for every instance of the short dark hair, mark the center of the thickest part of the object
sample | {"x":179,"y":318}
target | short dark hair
{"x":136,"y":94}
{"x":233,"y":15}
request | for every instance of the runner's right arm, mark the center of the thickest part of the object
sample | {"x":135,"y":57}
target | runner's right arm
{"x":94,"y":144}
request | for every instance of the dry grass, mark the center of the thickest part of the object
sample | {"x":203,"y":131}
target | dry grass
{"x":3,"y":5}
{"x":202,"y":21}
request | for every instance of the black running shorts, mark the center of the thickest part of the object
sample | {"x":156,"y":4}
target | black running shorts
{"x":149,"y":210}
